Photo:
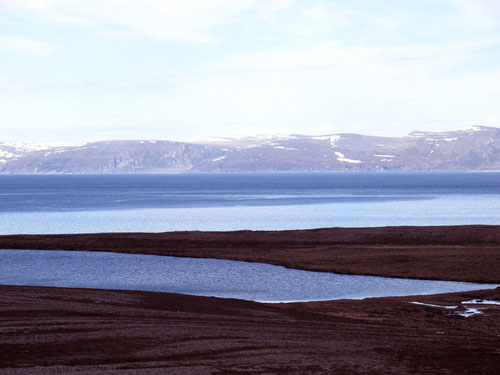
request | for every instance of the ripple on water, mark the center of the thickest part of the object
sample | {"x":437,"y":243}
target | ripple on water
{"x":204,"y":277}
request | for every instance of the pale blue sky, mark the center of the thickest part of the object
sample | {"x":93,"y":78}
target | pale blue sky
{"x":81,"y":70}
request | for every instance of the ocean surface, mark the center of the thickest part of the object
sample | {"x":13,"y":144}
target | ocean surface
{"x":156,"y":203}
{"x":204,"y":277}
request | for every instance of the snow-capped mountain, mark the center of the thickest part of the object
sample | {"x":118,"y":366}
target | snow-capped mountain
{"x":472,"y":149}
{"x":14,"y":150}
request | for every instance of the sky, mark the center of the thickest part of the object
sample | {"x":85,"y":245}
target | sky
{"x":87,"y":70}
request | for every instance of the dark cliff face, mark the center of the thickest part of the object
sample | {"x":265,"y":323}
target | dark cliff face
{"x":113,"y":157}
{"x":462,"y":150}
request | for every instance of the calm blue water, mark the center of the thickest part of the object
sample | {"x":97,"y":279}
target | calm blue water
{"x":203,"y":277}
{"x":155,"y":203}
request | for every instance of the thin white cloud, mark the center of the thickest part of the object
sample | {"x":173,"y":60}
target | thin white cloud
{"x":189,"y":20}
{"x":171,"y":20}
{"x":355,"y":88}
{"x":27,"y":45}
{"x":411,"y":61}
{"x":477,"y":13}
{"x":310,"y":19}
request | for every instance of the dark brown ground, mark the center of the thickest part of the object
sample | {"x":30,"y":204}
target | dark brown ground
{"x":58,"y":330}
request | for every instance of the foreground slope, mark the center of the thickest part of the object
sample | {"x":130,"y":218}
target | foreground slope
{"x":59,"y":330}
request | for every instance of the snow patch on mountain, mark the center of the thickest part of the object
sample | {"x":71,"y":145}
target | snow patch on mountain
{"x":333,"y":139}
{"x":286,"y":148}
{"x":219,"y":159}
{"x":29,"y":147}
{"x":341,"y":157}
{"x":6,"y":154}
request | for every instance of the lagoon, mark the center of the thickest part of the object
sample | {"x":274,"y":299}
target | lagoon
{"x":204,"y":277}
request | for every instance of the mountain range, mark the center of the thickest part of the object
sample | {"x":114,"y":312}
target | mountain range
{"x":474,"y":149}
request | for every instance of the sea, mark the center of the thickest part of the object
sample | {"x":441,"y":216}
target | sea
{"x":31,"y":204}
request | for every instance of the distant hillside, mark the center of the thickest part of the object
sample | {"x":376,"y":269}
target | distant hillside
{"x":473,"y":149}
